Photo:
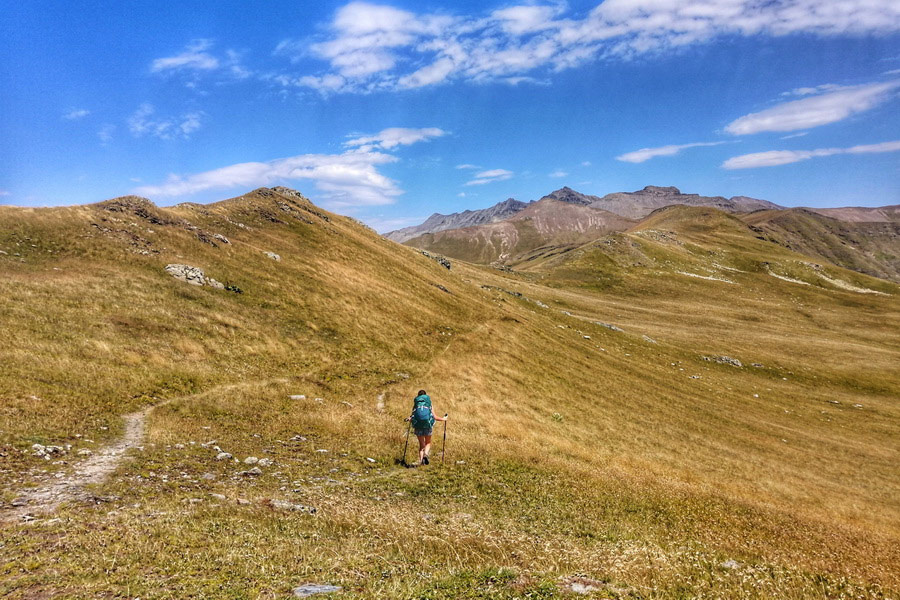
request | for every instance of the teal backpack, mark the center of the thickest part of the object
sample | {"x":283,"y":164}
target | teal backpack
{"x":422,"y":417}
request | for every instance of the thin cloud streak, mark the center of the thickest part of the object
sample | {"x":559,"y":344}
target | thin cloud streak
{"x":194,"y":58}
{"x":490,"y":176}
{"x":774,"y":158}
{"x":645,"y":154}
{"x":76,"y":113}
{"x":814,"y":111}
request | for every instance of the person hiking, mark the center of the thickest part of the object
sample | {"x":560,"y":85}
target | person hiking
{"x":422,"y":419}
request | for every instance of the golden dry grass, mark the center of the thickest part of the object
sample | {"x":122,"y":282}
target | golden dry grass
{"x":599,"y":456}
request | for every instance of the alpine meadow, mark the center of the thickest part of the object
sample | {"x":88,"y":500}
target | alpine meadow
{"x":508,"y":300}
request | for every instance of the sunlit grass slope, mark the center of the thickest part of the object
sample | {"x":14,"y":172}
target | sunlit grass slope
{"x":576,"y":452}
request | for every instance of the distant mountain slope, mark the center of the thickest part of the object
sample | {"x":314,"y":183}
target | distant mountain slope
{"x":542,"y":223}
{"x":639,"y":204}
{"x":870,"y":247}
{"x":862,"y":214}
{"x":438,"y":222}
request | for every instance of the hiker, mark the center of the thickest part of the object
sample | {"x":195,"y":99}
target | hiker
{"x":423,"y":419}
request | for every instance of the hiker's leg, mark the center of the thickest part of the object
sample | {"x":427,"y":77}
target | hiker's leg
{"x":426,"y":451}
{"x":422,"y":441}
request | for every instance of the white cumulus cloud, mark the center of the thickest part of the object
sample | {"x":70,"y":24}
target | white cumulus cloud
{"x":813,"y":111}
{"x":345,"y":180}
{"x":490,"y":176}
{"x":774,"y":158}
{"x":373,"y":47}
{"x":645,"y":154}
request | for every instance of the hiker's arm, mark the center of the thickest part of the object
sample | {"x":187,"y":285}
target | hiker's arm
{"x":446,"y":417}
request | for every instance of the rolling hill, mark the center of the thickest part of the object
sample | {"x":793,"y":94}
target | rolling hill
{"x":667,"y":408}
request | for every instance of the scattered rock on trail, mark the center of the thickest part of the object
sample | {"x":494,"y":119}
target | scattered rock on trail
{"x":290,"y":506}
{"x":609,"y":326}
{"x":192,"y":275}
{"x":254,"y":472}
{"x":265,"y":462}
{"x":649,"y":339}
{"x":273,"y":256}
{"x":723,"y":360}
{"x":731,"y":564}
{"x":251,"y":460}
{"x":223,"y":456}
{"x":297,"y":397}
{"x":311,"y":589}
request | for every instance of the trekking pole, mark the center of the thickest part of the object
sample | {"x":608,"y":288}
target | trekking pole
{"x":406,"y":445}
{"x":444,"y":445}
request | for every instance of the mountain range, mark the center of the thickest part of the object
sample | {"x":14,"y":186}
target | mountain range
{"x":858,"y":238}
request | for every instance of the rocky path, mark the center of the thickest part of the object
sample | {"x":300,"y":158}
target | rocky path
{"x":95,"y":469}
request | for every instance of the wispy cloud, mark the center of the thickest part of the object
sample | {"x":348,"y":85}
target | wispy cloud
{"x":794,"y":135}
{"x":145,"y":122}
{"x":645,"y":154}
{"x":106,"y":133}
{"x":558,"y":173}
{"x":490,"y":176}
{"x":390,"y":138}
{"x":468,"y":166}
{"x":586,"y":163}
{"x":76,"y":113}
{"x":5,"y":193}
{"x":194,"y":57}
{"x":774,"y":158}
{"x":829,"y":107}
{"x":370,"y":47}
{"x":345,"y":180}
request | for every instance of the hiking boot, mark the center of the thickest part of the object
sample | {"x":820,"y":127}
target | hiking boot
{"x":425,"y":460}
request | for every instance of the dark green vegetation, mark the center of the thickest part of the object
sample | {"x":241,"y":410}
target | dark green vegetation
{"x":616,"y":460}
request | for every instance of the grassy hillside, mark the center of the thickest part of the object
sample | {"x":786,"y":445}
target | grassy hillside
{"x":577,"y":455}
{"x":872,"y":248}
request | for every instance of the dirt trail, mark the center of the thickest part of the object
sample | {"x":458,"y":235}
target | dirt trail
{"x":71,"y":486}
{"x":95,"y":469}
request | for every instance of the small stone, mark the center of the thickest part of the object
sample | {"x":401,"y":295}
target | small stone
{"x":84,"y":452}
{"x":273,"y":256}
{"x":19,"y":502}
{"x":251,"y":460}
{"x":648,"y":339}
{"x":194,"y":500}
{"x":323,"y":450}
{"x":371,"y":460}
{"x":266,"y":462}
{"x":208,"y":476}
{"x":347,"y":404}
{"x":298,"y":438}
{"x":254,"y":472}
{"x":242,"y":501}
{"x":179,"y":446}
{"x":218,"y":496}
{"x":320,"y":401}
{"x":311,"y":589}
{"x":297,"y":396}
{"x":857,"y":406}
{"x":223,"y":456}
{"x":731,"y":564}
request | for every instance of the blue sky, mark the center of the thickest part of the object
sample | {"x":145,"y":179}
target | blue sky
{"x":391,"y":111}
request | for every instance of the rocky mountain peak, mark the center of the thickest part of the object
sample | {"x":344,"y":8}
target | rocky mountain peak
{"x":661,"y":191}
